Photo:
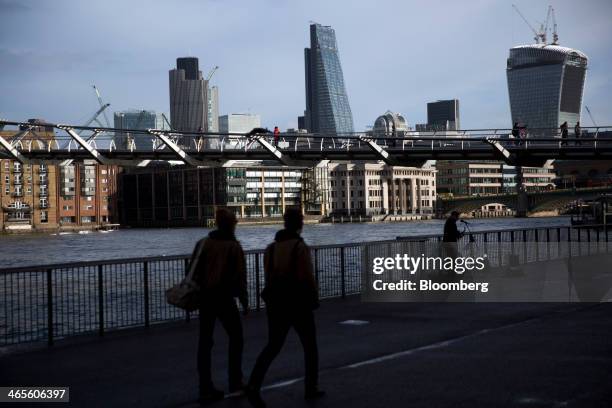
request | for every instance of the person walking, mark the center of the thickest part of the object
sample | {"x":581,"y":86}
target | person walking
{"x":515,"y":133}
{"x":291,"y":295}
{"x":221,"y":275}
{"x":564,"y":133}
{"x":578,"y":133}
{"x":276,"y":135}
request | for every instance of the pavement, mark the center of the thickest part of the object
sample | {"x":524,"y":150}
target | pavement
{"x":396,"y":355}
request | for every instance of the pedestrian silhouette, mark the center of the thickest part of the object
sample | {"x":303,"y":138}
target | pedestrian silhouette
{"x":451,"y":232}
{"x":515,"y":132}
{"x":276,"y":135}
{"x":291,"y":295}
{"x":221,"y":275}
{"x":564,"y":133}
{"x":577,"y":133}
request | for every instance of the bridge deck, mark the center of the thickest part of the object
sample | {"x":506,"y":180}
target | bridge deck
{"x":418,"y":355}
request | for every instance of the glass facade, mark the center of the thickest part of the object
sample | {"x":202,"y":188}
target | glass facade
{"x":136,"y":119}
{"x":444,"y":114}
{"x":545,"y":85}
{"x":327,"y":105}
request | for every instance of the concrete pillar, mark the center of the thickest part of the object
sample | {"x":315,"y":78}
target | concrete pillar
{"x":283,"y":192}
{"x":403,"y":206}
{"x":263,"y":194}
{"x":393,"y":197}
{"x":413,"y":195}
{"x":385,"y":197}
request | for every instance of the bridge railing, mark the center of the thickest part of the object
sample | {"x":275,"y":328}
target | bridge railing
{"x":50,"y":302}
{"x":134,"y":140}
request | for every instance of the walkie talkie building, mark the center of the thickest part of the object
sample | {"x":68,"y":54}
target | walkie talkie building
{"x":545,"y":84}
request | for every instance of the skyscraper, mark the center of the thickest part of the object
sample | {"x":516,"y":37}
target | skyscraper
{"x":443,"y":115}
{"x":188,"y":97}
{"x":136,"y":119}
{"x":545,"y":84}
{"x":213,"y":109}
{"x":327,"y":105}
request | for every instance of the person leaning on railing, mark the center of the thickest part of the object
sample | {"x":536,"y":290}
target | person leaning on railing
{"x":221,"y":275}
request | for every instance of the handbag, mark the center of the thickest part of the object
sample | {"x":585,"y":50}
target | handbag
{"x":186,"y":294}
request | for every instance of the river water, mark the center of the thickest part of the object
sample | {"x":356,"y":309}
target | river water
{"x":39,"y":249}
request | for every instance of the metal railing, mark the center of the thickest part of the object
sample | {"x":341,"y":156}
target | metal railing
{"x":50,"y":302}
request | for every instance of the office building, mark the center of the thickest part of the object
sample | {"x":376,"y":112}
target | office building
{"x":213,"y":109}
{"x":327,"y":104}
{"x":239,"y":122}
{"x":465,"y":178}
{"x":181,"y":195}
{"x":137,"y":119}
{"x":188,"y":97}
{"x":374,"y":188}
{"x":443,"y":115}
{"x":545,"y":85}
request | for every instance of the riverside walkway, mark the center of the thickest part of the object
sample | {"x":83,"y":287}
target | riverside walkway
{"x":408,"y":355}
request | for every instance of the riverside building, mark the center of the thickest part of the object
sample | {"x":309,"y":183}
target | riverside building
{"x":40,"y":197}
{"x":371,"y":189}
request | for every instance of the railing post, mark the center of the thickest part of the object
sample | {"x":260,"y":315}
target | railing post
{"x":100,"y":301}
{"x":257,"y":284}
{"x":50,"y":306}
{"x":186,"y":265}
{"x":342,"y":272}
{"x":145,"y":282}
{"x":316,"y":265}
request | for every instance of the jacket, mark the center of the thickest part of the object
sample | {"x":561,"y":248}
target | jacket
{"x":451,"y":233}
{"x":289,"y":273}
{"x":220,"y":267}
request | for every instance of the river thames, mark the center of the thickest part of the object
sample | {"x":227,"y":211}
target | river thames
{"x":38,"y":249}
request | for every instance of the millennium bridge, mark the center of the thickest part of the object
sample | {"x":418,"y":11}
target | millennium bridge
{"x":140,"y":147}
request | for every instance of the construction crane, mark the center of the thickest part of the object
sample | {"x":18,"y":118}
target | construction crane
{"x":590,"y":115}
{"x":538,"y":36}
{"x":555,"y":35}
{"x":166,"y":120}
{"x":101,"y":104}
{"x":211,"y":73}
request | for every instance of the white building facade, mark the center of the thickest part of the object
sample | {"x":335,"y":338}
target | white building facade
{"x":375,"y":189}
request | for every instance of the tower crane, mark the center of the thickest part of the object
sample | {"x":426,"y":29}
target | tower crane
{"x":101,"y":104}
{"x":590,"y":115}
{"x":212,"y":72}
{"x":555,"y":35}
{"x":538,"y":36}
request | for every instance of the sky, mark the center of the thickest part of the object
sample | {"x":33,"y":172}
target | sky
{"x":396,"y":55}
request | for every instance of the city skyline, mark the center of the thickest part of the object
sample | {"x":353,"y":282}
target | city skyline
{"x":48,"y":73}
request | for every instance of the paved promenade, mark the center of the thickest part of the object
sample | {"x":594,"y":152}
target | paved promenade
{"x":407,"y":355}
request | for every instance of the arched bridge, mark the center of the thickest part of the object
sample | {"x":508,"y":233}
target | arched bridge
{"x":535,"y":202}
{"x":138,"y":147}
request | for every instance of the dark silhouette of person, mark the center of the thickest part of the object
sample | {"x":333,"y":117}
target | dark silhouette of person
{"x":221,"y":274}
{"x":564,"y":133}
{"x":291,"y":295}
{"x":451,"y":232}
{"x":276,"y":135}
{"x":515,"y":132}
{"x":578,"y":133}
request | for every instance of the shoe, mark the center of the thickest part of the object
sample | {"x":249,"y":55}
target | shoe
{"x":210,"y":396}
{"x":313,"y":394}
{"x":254,"y":397}
{"x":237,"y":390}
